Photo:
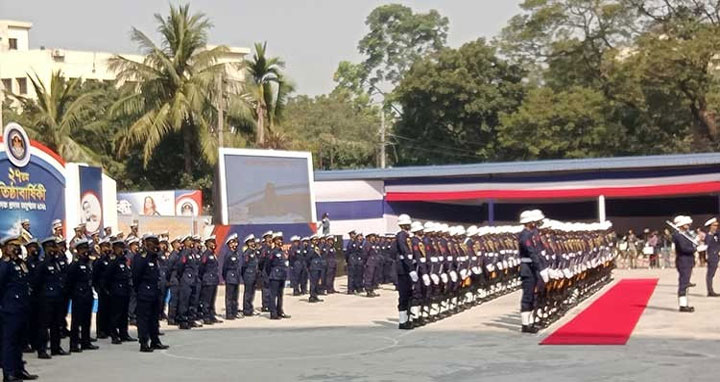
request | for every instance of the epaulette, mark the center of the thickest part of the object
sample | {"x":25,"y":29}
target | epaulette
{"x":144,"y":255}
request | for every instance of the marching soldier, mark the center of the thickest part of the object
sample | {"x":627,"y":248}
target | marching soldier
{"x":685,"y":248}
{"x":231,"y":273}
{"x":14,"y":310}
{"x":407,"y":275}
{"x":33,"y":324}
{"x":530,"y":266}
{"x":146,"y":279}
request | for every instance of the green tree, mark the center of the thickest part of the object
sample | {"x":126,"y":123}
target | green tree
{"x":452,"y":102}
{"x":338,"y":131}
{"x":174,"y":88}
{"x":60,"y":115}
{"x":267,"y":88}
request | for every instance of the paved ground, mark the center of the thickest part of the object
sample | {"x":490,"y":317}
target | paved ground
{"x":349,"y":338}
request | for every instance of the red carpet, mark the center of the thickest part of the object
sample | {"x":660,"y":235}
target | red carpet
{"x":610,"y":319}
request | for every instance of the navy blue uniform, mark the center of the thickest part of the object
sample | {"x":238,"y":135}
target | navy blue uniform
{"x":209,"y":275}
{"x":187,"y":274}
{"x":80,"y":288}
{"x":276,"y":272}
{"x":297,"y":257}
{"x":102,"y":319}
{"x":351,"y":261}
{"x":331,"y":260}
{"x":14,"y":310}
{"x":173,"y":280}
{"x":49,"y":284}
{"x":231,"y":273}
{"x":405,"y":265}
{"x":713,"y":249}
{"x":146,"y":281}
{"x":684,"y":262}
{"x":529,"y":268}
{"x":118,"y":279}
{"x":316,"y":264}
{"x":163,"y":266}
{"x":34,"y":314}
{"x":250,"y":273}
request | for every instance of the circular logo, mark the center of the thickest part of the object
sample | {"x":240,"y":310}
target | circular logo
{"x":186,"y":206}
{"x":91,"y":213}
{"x":17,"y":144}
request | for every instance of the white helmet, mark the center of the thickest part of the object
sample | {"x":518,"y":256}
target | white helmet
{"x":404,"y":219}
{"x":682,"y":220}
{"x":531,"y":216}
{"x":416,"y":227}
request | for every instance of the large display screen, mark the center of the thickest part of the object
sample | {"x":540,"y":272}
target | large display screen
{"x":266,"y":186}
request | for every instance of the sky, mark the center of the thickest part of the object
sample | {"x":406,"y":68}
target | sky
{"x":311,"y":36}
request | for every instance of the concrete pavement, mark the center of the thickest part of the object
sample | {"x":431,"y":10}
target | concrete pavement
{"x":352,"y":338}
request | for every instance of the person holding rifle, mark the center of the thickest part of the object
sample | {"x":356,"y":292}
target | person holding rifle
{"x":685,"y":247}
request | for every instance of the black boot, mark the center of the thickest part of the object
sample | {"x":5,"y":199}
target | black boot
{"x":687,"y":309}
{"x":159,"y":346}
{"x":529,"y":329}
{"x":144,"y":348}
{"x":405,"y":326}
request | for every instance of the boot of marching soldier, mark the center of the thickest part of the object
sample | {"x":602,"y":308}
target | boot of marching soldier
{"x":685,"y":248}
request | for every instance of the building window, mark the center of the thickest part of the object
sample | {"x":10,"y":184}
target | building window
{"x":22,"y":85}
{"x":7,"y":85}
{"x":13,"y":43}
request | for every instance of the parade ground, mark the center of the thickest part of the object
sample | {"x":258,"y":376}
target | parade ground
{"x":353,"y":338}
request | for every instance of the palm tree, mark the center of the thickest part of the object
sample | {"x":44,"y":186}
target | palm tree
{"x":174,"y":87}
{"x":264,"y":81}
{"x":58,"y":114}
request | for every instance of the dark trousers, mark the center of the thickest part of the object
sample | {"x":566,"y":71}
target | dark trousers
{"x":231,"y":299}
{"x":132,"y":305}
{"x":33,"y":325}
{"x":195,"y":311}
{"x":684,"y":265}
{"x":266,"y":295}
{"x":303,"y":281}
{"x":119,"y":316}
{"x":276,"y":297}
{"x":184,"y":313}
{"x":164,"y":290}
{"x":13,"y":337}
{"x":368,"y":277}
{"x":712,"y":265}
{"x":102,"y":319}
{"x":208,"y":293}
{"x":528,"y":282}
{"x":404,"y":287}
{"x":297,"y":272}
{"x":81,"y":320}
{"x":315,"y":276}
{"x":248,"y":295}
{"x":51,"y":320}
{"x":174,"y":302}
{"x":330,"y":278}
{"x":349,"y":268}
{"x":147,"y":321}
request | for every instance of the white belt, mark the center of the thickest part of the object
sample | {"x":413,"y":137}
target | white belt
{"x":526,"y":260}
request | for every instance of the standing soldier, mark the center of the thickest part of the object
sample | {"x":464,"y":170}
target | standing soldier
{"x":371,"y":255}
{"x":530,"y":266}
{"x":173,"y":278}
{"x":163,"y":258}
{"x":79,"y":286}
{"x":405,"y":271}
{"x":208,"y":273}
{"x":33,"y":323}
{"x":48,"y":284}
{"x":146,"y":279}
{"x":232,"y":266}
{"x":14,"y":309}
{"x":276,"y":270}
{"x":100,"y":265}
{"x":265,"y":250}
{"x":133,"y":248}
{"x":118,"y":278}
{"x":186,"y":274}
{"x":685,"y":248}
{"x":331,"y":260}
{"x":315,"y":266}
{"x":249,"y":274}
{"x":350,"y":250}
{"x":295,"y":256}
{"x":712,"y":241}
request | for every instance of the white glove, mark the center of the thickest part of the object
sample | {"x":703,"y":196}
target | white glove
{"x":444,"y":278}
{"x":505,"y":264}
{"x":414,"y":276}
{"x":463,"y":273}
{"x":426,"y":280}
{"x":490,"y":267}
{"x":500,"y":266}
{"x":567,"y":273}
{"x":545,"y":274}
{"x":476,"y":270}
{"x":435,"y":279}
{"x":453,"y":276}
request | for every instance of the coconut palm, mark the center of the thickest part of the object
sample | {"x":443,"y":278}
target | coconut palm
{"x":174,"y":87}
{"x":58,"y":114}
{"x":264,"y":80}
